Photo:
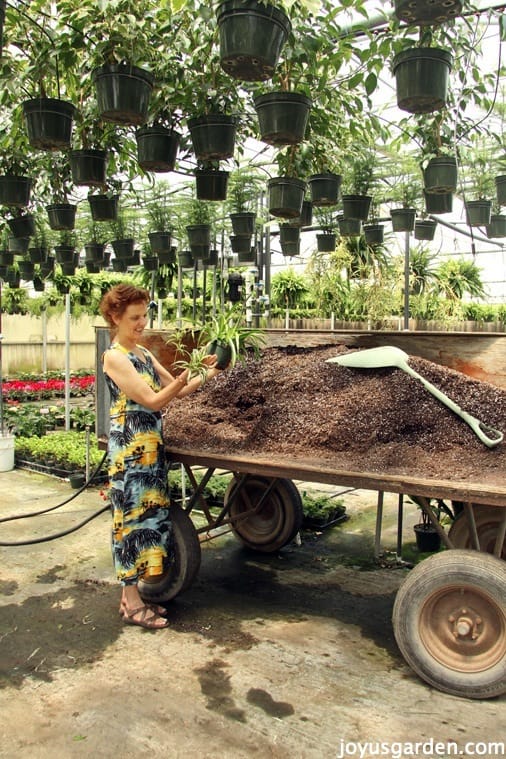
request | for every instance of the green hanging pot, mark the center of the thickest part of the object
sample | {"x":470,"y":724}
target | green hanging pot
{"x":157,"y":148}
{"x":61,"y":216}
{"x":403,"y":219}
{"x":252,"y":35}
{"x":438,"y":202}
{"x":497,"y":227}
{"x":48,"y":123}
{"x":123,"y":92}
{"x":326,"y":242}
{"x":478,"y":212}
{"x":88,"y":167}
{"x":211,"y":184}
{"x":440,"y":175}
{"x":103,"y":207}
{"x":421,"y":75}
{"x":15,"y":190}
{"x":356,"y":206}
{"x":324,"y":188}
{"x":213,"y":136}
{"x":425,"y":229}
{"x":282,"y":117}
{"x":286,"y":195}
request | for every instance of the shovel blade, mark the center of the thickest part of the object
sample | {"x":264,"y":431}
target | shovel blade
{"x":372,"y":358}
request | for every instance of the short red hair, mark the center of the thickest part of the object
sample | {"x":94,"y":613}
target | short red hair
{"x":115,"y":301}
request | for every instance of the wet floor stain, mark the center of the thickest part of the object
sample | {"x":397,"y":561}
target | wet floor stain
{"x":216,"y":687}
{"x":8,"y":588}
{"x":52,"y":575}
{"x":262,"y":699}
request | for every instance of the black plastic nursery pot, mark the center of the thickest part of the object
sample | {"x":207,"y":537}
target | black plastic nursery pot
{"x":374,"y":234}
{"x":15,"y":190}
{"x":211,"y":185}
{"x":26,"y":269}
{"x":427,"y":12}
{"x":497,"y":226}
{"x":500,"y":186}
{"x":199,"y":234}
{"x":422,"y":75}
{"x":159,"y":242}
{"x":289,"y":239}
{"x":167,"y":257}
{"x":61,"y":216}
{"x":440,"y":175}
{"x":478,"y":212}
{"x":22,"y":226}
{"x":94,"y":252}
{"x":356,"y":206}
{"x":282,"y":117}
{"x":403,"y":219}
{"x":6,"y":258}
{"x":65,"y":254}
{"x":425,"y":229}
{"x":18,"y":245}
{"x":286,"y":195}
{"x":427,"y":539}
{"x":88,"y":167}
{"x":438,"y":202}
{"x":49,"y":123}
{"x":349,"y":227}
{"x":326,"y":242}
{"x":213,"y":136}
{"x":324,"y":188}
{"x":252,"y":36}
{"x":103,"y":207}
{"x":150,"y":263}
{"x":240,"y":243}
{"x":157,"y":148}
{"x":185,"y":259}
{"x":124,"y":248}
{"x":38,"y":255}
{"x":123,"y":92}
{"x":243,"y":223}
{"x":305,"y":219}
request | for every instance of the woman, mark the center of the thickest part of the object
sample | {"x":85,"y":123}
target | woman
{"x":139,"y":389}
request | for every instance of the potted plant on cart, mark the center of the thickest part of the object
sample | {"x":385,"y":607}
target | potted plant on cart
{"x":229,"y":338}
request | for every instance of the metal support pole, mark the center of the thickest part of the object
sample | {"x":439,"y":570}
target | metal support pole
{"x":67,"y":362}
{"x":406,"y":281}
{"x":379,"y":520}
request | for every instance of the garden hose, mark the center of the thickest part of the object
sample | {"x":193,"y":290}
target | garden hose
{"x":53,"y":508}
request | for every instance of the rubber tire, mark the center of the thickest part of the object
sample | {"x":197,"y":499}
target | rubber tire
{"x":181,"y":574}
{"x":485,"y":517}
{"x":455,"y":569}
{"x":283,"y":507}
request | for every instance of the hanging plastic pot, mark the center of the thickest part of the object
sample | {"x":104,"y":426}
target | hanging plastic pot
{"x":213,"y":136}
{"x":500,"y":186}
{"x":497,"y":227}
{"x":240,"y":243}
{"x":282,"y":117}
{"x":438,"y":202}
{"x":22,"y":226}
{"x":440,"y":175}
{"x":324,"y":188}
{"x":94,"y":252}
{"x":167,"y":257}
{"x":18,"y":245}
{"x":88,"y":167}
{"x":306,"y":215}
{"x":427,"y":12}
{"x":124,"y":248}
{"x":159,"y":242}
{"x":243,"y":223}
{"x":478,"y":212}
{"x":15,"y":190}
{"x":425,"y":229}
{"x":26,"y":269}
{"x":157,"y":148}
{"x":199,"y":234}
{"x":374,"y":234}
{"x":185,"y":259}
{"x":403,"y":219}
{"x":289,"y":239}
{"x":350,"y":227}
{"x":286,"y":195}
{"x":421,"y":75}
{"x":38,"y":255}
{"x":49,"y":123}
{"x":61,"y":216}
{"x":103,"y":207}
{"x":65,"y":254}
{"x":326,"y":242}
{"x":211,"y":184}
{"x":252,"y":36}
{"x":123,"y":93}
{"x":150,"y":263}
{"x":356,"y":206}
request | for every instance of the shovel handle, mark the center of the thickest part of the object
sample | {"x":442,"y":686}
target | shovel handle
{"x":488,"y":435}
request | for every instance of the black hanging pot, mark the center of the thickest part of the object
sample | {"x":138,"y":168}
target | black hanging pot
{"x":438,"y":202}
{"x":286,"y":195}
{"x":88,"y":167}
{"x":326,"y":242}
{"x":289,"y":239}
{"x":349,"y":227}
{"x":324,"y":188}
{"x":92,"y":267}
{"x":440,"y":175}
{"x":199,"y":234}
{"x":15,"y":190}
{"x":124,"y":248}
{"x":252,"y":35}
{"x":425,"y":229}
{"x":211,"y":184}
{"x":478,"y":212}
{"x":13,"y":278}
{"x":47,"y":267}
{"x":421,"y":75}
{"x":22,"y":226}
{"x":240,"y":243}
{"x":403,"y":219}
{"x":150,"y":263}
{"x":185,"y":259}
{"x":213,"y":136}
{"x":26,"y":269}
{"x":374,"y":234}
{"x":200,"y":252}
{"x":159,"y":242}
{"x":18,"y":245}
{"x":157,"y":148}
{"x":167,"y":257}
{"x":61,"y":216}
{"x":306,"y":215}
{"x":94,"y":252}
{"x":49,"y":123}
{"x":427,"y":538}
{"x":103,"y":207}
{"x":119,"y":265}
{"x":282,"y":117}
{"x":68,"y":268}
{"x":247,"y":258}
{"x":500,"y":186}
{"x":427,"y":12}
{"x":123,"y":92}
{"x":38,"y":255}
{"x":38,"y":284}
{"x":356,"y":206}
{"x":243,"y":223}
{"x":6,"y":258}
{"x":497,"y":226}
{"x":65,"y":254}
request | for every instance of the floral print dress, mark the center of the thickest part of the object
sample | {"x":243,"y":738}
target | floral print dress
{"x":138,"y":486}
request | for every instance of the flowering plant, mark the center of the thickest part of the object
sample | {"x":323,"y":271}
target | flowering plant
{"x":24,"y":390}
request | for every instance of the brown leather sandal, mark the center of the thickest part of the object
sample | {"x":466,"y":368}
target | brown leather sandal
{"x":149,"y":622}
{"x":160,"y":610}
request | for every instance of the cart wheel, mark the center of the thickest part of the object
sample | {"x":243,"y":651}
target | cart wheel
{"x":276,"y":524}
{"x":449,"y":621}
{"x":180,"y":575}
{"x":488,"y":520}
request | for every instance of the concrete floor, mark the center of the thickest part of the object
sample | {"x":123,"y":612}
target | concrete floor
{"x":286,"y":655}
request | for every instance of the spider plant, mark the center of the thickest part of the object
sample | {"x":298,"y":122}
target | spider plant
{"x":229,"y":339}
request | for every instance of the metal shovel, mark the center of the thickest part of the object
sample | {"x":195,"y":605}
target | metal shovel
{"x":389,"y":355}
